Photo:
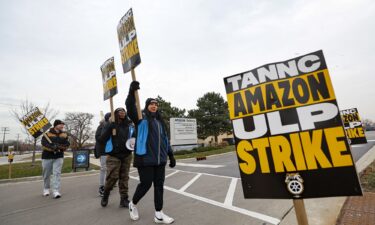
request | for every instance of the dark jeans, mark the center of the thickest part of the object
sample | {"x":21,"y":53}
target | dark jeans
{"x":147,"y":176}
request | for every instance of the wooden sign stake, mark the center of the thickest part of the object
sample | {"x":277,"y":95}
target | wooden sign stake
{"x":45,"y":135}
{"x":299,"y":207}
{"x":10,"y":170}
{"x":137,"y":97}
{"x":112,"y":115}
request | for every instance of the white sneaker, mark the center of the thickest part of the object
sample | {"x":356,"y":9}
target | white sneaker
{"x":160,"y":217}
{"x":56,"y":194}
{"x":133,"y":211}
{"x":46,"y":192}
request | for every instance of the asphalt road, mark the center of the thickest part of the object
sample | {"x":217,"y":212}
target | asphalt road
{"x":359,"y":150}
{"x":196,"y":192}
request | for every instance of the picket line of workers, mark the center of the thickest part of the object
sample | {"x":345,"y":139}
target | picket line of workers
{"x":152,"y":149}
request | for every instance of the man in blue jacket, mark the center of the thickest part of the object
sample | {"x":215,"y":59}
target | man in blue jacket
{"x":151,"y":152}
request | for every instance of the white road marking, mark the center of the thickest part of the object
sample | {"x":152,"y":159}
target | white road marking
{"x":136,"y":178}
{"x":208,"y":174}
{"x":187,"y":185}
{"x":256,"y":215}
{"x":210,"y":156}
{"x":200,"y":165}
{"x":171,"y":174}
{"x":39,"y":179}
{"x":249,"y":213}
{"x":232,"y":188}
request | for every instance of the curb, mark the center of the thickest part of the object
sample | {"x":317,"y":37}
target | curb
{"x":209,"y":156}
{"x":35,"y":178}
{"x":366,"y":160}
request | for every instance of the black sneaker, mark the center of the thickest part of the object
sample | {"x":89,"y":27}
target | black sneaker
{"x":105,"y":198}
{"x":101,"y":191}
{"x":124,"y":202}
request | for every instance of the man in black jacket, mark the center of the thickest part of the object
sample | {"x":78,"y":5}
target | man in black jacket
{"x":119,"y":158}
{"x":100,"y":153}
{"x":53,"y":157}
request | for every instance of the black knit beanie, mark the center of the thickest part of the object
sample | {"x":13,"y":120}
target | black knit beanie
{"x":119,"y":109}
{"x":106,"y":117}
{"x":57,"y":122}
{"x":148,"y":102}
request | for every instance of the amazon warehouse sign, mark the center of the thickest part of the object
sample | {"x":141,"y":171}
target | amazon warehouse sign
{"x":183,"y":133}
{"x":290,"y":139}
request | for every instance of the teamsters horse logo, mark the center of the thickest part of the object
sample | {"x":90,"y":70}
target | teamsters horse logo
{"x":294,"y":184}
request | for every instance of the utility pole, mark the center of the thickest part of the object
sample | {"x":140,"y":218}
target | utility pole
{"x":18,"y":138}
{"x":5,"y":130}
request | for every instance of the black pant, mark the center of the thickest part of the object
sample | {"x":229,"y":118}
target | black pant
{"x":147,"y":176}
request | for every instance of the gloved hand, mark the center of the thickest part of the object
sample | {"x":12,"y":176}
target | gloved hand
{"x":63,"y":148}
{"x":134,"y":86}
{"x":112,"y":125}
{"x":55,"y":147}
{"x":172,"y":160}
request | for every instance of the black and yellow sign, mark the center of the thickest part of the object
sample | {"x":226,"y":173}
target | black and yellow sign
{"x":353,"y":126}
{"x":35,"y":122}
{"x":10,"y":154}
{"x":290,"y":139}
{"x":109,"y":78}
{"x":127,"y":38}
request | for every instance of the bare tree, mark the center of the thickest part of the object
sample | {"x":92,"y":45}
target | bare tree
{"x":368,"y":124}
{"x":24,"y":108}
{"x":78,"y":125}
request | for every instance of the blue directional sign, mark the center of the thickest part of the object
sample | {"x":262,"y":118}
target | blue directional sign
{"x":81,"y":159}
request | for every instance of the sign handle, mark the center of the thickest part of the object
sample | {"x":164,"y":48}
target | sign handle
{"x":112,"y":115}
{"x":10,"y":170}
{"x":101,"y":115}
{"x":299,"y":207}
{"x":137,"y":97}
{"x":49,"y":140}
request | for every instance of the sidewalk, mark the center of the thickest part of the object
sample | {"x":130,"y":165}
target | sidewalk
{"x":26,"y":158}
{"x":358,"y":210}
{"x":326,"y":211}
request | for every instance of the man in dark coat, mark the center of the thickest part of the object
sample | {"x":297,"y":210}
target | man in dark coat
{"x":53,"y":157}
{"x":118,"y":156}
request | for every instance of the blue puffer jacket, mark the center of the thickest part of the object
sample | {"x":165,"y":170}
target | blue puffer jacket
{"x":152,"y":146}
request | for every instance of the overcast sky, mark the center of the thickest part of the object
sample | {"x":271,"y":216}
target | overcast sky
{"x":51,"y":51}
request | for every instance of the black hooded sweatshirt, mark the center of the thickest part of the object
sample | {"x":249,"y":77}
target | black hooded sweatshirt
{"x":119,"y":140}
